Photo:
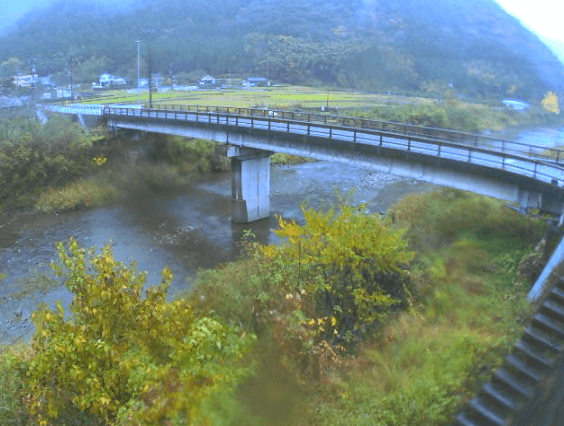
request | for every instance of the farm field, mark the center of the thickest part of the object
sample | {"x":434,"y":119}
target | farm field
{"x":271,"y":97}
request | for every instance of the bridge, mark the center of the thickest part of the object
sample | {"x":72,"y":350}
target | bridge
{"x":529,"y":386}
{"x":532,"y":177}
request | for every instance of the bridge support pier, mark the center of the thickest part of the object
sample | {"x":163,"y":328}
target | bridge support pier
{"x":81,"y":121}
{"x":528,"y":200}
{"x":250,"y":184}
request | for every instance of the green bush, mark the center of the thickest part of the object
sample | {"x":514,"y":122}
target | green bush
{"x":33,"y":157}
{"x":288,"y":159}
{"x":12,"y":411}
{"x":328,"y":283}
{"x":121,"y":358}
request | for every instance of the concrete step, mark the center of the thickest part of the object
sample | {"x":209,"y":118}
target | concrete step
{"x":557,"y":292}
{"x":550,"y":324}
{"x":521,"y":366}
{"x":497,"y":396}
{"x":533,"y":354}
{"x":554,"y":307}
{"x":490,"y":416}
{"x":512,"y":383}
{"x":461,"y":419}
{"x":541,"y":341}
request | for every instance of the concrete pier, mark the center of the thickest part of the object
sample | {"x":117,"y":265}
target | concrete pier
{"x":250,"y":184}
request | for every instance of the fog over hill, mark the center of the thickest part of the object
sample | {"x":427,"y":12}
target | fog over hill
{"x":472,"y":47}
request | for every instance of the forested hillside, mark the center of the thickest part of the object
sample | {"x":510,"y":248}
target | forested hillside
{"x":471,"y":46}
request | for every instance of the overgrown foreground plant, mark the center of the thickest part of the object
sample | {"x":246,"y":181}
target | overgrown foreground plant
{"x":318,"y":293}
{"x":120,"y":358}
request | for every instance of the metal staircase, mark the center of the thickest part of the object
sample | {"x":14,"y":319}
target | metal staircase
{"x":518,"y":383}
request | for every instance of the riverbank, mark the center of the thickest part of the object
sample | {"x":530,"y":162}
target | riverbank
{"x":467,"y":307}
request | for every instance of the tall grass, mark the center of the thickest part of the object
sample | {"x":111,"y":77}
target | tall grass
{"x":174,"y":162}
{"x":84,"y":193}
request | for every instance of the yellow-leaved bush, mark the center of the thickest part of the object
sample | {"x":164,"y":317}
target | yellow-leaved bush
{"x":121,"y":357}
{"x":329,"y":283}
{"x":550,"y":103}
{"x":349,"y":269}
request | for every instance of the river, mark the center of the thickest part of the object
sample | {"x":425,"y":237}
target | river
{"x":187,"y":230}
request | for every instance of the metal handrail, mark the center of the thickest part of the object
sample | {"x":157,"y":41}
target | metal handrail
{"x":503,"y":145}
{"x":547,"y":171}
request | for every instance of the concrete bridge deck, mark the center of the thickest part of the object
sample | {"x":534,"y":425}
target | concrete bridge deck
{"x":530,"y":176}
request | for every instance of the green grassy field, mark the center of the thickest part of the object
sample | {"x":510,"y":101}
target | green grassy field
{"x":271,"y":97}
{"x":452,"y":113}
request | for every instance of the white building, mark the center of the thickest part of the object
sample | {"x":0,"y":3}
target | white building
{"x":207,"y":81}
{"x":29,"y":80}
{"x":108,"y":80}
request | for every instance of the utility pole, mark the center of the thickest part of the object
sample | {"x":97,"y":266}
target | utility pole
{"x":138,"y":41}
{"x":149,"y":35}
{"x":150,"y":79}
{"x":70,"y":69}
{"x":138,"y":74}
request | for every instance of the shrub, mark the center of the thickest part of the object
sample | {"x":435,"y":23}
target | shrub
{"x":34,"y":156}
{"x":121,"y":358}
{"x":12,"y":412}
{"x":288,"y":159}
{"x":189,"y":155}
{"x":318,"y":293}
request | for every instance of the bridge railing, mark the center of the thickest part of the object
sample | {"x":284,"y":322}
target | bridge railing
{"x":502,"y":145}
{"x":480,"y":155}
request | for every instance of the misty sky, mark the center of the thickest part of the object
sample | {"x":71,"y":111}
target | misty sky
{"x":542,"y":16}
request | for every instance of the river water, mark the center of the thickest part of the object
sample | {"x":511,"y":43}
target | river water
{"x":187,"y":230}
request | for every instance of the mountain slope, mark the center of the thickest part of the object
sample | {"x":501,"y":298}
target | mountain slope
{"x":473,"y":46}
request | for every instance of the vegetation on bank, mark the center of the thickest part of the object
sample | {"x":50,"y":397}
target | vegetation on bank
{"x":353,"y":319}
{"x":470,"y":118}
{"x":33,"y":156}
{"x":61,"y":166}
{"x":288,"y":159}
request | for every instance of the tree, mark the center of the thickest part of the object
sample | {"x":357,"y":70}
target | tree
{"x":11,"y":67}
{"x":550,"y":103}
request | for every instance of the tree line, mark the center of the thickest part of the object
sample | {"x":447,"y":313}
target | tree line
{"x":361,"y":45}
